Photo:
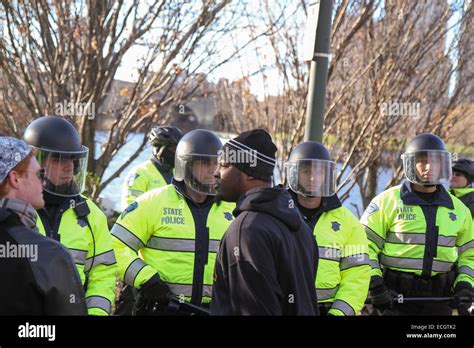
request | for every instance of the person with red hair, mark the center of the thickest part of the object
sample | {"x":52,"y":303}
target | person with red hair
{"x":42,"y":279}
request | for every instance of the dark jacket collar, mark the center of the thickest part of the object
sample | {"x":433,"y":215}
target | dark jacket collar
{"x":409,"y":197}
{"x":180,"y":187}
{"x":327,"y":203}
{"x":274,"y":201}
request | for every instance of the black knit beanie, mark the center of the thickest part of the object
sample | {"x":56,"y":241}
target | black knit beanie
{"x":252,"y":152}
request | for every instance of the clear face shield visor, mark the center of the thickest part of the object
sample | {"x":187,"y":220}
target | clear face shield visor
{"x":197,"y":172}
{"x":312,"y":177}
{"x":427,"y":167}
{"x":65,"y":172}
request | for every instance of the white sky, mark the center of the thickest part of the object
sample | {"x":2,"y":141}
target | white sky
{"x":247,"y":65}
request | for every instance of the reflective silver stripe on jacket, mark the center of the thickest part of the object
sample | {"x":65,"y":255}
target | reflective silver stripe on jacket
{"x":127,"y":237}
{"x":417,"y":264}
{"x":344,"y":307}
{"x":133,"y":269}
{"x":465,"y":247}
{"x":187,"y":290}
{"x":446,"y":241}
{"x":374,"y":237}
{"x":329,"y":253}
{"x":214,"y":245}
{"x":99,"y":302}
{"x":177,"y":244}
{"x":207,"y":290}
{"x":466,"y":270}
{"x":406,"y":238}
{"x":79,"y":256}
{"x":354,"y":260}
{"x":417,"y":238}
{"x":374,"y":263}
{"x":326,"y":294}
{"x":135,"y":193}
{"x":171,"y":244}
{"x":107,"y":258}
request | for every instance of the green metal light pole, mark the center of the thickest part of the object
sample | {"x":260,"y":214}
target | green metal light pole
{"x":317,"y":42}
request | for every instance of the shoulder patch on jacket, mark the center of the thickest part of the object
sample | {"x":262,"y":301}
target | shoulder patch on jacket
{"x":131,"y":179}
{"x":371,"y":208}
{"x":130,"y":208}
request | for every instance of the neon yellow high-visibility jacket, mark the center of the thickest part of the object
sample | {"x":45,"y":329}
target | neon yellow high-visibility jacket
{"x":405,"y":238}
{"x":144,"y":177}
{"x":91,"y":248}
{"x":343,"y":275}
{"x":165,"y":233}
{"x":465,"y":195}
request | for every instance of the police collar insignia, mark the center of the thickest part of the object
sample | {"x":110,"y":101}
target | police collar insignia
{"x":228,"y":216}
{"x":452,"y":216}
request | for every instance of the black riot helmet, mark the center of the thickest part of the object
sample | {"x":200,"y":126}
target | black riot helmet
{"x":466,"y":167}
{"x":196,"y":160}
{"x":164,"y":140}
{"x":426,"y":161}
{"x":426,"y":141}
{"x":310,"y":170}
{"x":60,"y":152}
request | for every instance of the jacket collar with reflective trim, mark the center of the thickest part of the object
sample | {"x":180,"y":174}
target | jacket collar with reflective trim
{"x":180,"y":187}
{"x":409,"y":197}
{"x":327,"y":203}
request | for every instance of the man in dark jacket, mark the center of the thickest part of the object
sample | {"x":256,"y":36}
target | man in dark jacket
{"x":267,"y":259}
{"x":40,"y":275}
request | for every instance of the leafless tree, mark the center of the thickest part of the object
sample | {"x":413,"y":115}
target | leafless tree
{"x":391,"y":75}
{"x":54,"y":53}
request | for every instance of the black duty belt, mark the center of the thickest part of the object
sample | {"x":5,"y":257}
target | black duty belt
{"x":413,"y":285}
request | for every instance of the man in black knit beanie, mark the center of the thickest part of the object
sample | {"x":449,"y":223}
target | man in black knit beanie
{"x":267,"y":259}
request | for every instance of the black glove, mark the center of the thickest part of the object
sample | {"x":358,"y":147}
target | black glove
{"x":153,"y":292}
{"x":463,"y":290}
{"x":380,"y":296}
